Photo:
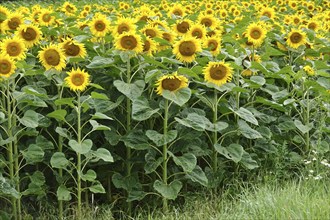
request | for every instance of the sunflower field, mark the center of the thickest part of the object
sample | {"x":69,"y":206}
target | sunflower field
{"x":136,"y":103}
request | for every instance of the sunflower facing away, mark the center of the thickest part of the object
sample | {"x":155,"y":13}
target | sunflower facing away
{"x":99,"y":26}
{"x":218,"y":73}
{"x":14,"y":47}
{"x":256,"y":34}
{"x":52,"y":57}
{"x":73,"y":48}
{"x":129,"y":41}
{"x":30,"y":34}
{"x":77,"y":80}
{"x":296,"y":38}
{"x":172,"y":82}
{"x":185,"y":49}
{"x":7,"y":65}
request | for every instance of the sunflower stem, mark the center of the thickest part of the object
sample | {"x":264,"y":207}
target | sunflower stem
{"x":79,"y":157}
{"x":165,"y":124}
{"x":10,"y":149}
{"x":215,"y":133}
{"x":60,"y":149}
{"x":128,"y":129}
{"x":307,"y":119}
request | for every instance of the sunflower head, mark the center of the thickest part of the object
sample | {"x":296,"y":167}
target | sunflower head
{"x":296,"y":38}
{"x":218,"y":73}
{"x":4,"y":12}
{"x":14,"y":47}
{"x":73,"y":48}
{"x":13,"y":21}
{"x":309,"y":70}
{"x":248,"y":72}
{"x":198,"y":31}
{"x":99,"y":26}
{"x":129,"y":41}
{"x":208,"y":21}
{"x":149,"y":46}
{"x":77,"y":80}
{"x":177,"y":10}
{"x":52,"y":57}
{"x":151,"y":31}
{"x":123,"y":25}
{"x":7,"y":65}
{"x":186,"y":49}
{"x":268,"y":12}
{"x":182,"y":26}
{"x":46,"y":18}
{"x":213,"y":44}
{"x":172,"y":82}
{"x":30,"y":34}
{"x":256,"y":34}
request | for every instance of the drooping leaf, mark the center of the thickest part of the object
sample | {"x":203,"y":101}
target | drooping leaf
{"x":246,"y":115}
{"x":136,"y":139}
{"x":187,"y":161}
{"x":179,"y":97}
{"x":198,"y":175}
{"x":58,"y":160}
{"x":33,"y":154}
{"x":63,"y":194}
{"x":141,"y":109}
{"x":233,"y":152}
{"x":97,"y":188}
{"x":160,"y":139}
{"x":168,"y":191}
{"x":58,"y":114}
{"x":247,"y":131}
{"x":30,"y":119}
{"x":303,"y":128}
{"x":81,"y":148}
{"x":103,"y":154}
{"x":130,"y":90}
{"x":100,"y":62}
{"x":152,"y":163}
{"x":248,"y":162}
{"x":90,"y":175}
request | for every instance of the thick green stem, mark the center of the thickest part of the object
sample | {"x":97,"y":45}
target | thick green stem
{"x":128,"y":129}
{"x":215,"y":133}
{"x":10,"y":150}
{"x":79,"y":158}
{"x":60,"y":171}
{"x":165,"y":202}
{"x":307,"y":118}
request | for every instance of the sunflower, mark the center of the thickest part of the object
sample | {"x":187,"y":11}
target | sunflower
{"x":198,"y":31}
{"x":268,"y":12}
{"x":256,"y":34}
{"x":182,"y":26}
{"x":218,"y":73}
{"x":151,"y":31}
{"x":4,"y":12}
{"x":73,"y":48}
{"x":13,"y":21}
{"x":7,"y":65}
{"x":99,"y":26}
{"x":248,"y":72}
{"x":77,"y":80}
{"x":296,"y":38}
{"x":213,"y":44}
{"x":281,"y":46}
{"x":208,"y":21}
{"x":186,"y":49}
{"x":30,"y":34}
{"x":69,"y":9}
{"x":14,"y":47}
{"x":313,"y":25}
{"x":177,"y":10}
{"x":223,"y":14}
{"x":309,"y":70}
{"x":172,"y":82}
{"x":149,"y":46}
{"x":129,"y":41}
{"x":123,"y":25}
{"x":52,"y":57}
{"x":45,"y":18}
{"x":83,"y":14}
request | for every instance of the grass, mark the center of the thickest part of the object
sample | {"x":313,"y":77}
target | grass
{"x":290,"y":200}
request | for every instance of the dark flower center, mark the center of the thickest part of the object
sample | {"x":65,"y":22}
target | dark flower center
{"x":187,"y":48}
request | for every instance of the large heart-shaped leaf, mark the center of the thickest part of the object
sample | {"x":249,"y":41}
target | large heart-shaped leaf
{"x":30,"y":119}
{"x":58,"y":160}
{"x":179,"y":97}
{"x":141,"y":110}
{"x":81,"y":148}
{"x":130,"y":90}
{"x":247,"y":131}
{"x":160,"y":139}
{"x":233,"y":152}
{"x":187,"y":161}
{"x":63,"y":194}
{"x":168,"y":191}
{"x":103,"y":154}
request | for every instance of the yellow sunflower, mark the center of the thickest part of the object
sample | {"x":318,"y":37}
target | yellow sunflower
{"x":7,"y":65}
{"x":296,"y":38}
{"x":177,"y":10}
{"x":4,"y":12}
{"x":77,"y":80}
{"x":208,"y":21}
{"x":256,"y":34}
{"x":185,"y":49}
{"x":151,"y":31}
{"x":198,"y":31}
{"x":14,"y":47}
{"x":123,"y":25}
{"x":181,"y":27}
{"x":99,"y":26}
{"x":313,"y":25}
{"x":69,"y":9}
{"x":218,"y":73}
{"x":309,"y":70}
{"x":13,"y":21}
{"x":30,"y":34}
{"x":213,"y":44}
{"x":45,"y":18}
{"x":52,"y":57}
{"x":223,"y":14}
{"x":73,"y":48}
{"x":248,"y":72}
{"x":129,"y":41}
{"x":149,"y":46}
{"x":268,"y":12}
{"x":172,"y":82}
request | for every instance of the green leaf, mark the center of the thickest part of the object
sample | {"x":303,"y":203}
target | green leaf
{"x":65,"y":101}
{"x":58,"y":160}
{"x":195,"y":121}
{"x":154,"y":62}
{"x":58,"y":114}
{"x":63,"y":194}
{"x":152,"y":163}
{"x":303,"y":128}
{"x":98,"y":127}
{"x":136,"y":139}
{"x":99,"y":115}
{"x":141,"y":110}
{"x":130,"y":90}
{"x":246,"y":115}
{"x":97,"y":188}
{"x":170,"y":191}
{"x":272,"y":104}
{"x":198,"y":175}
{"x":82,"y":148}
{"x":151,"y":74}
{"x":103,"y":154}
{"x":102,"y":96}
{"x":100,"y":62}
{"x":248,"y":162}
{"x":179,"y":97}
{"x":90,"y":176}
{"x":7,"y":188}
{"x":258,"y":80}
{"x":62,"y":132}
{"x":233,"y":152}
{"x":247,"y":131}
{"x":189,"y":72}
{"x":135,"y":196}
{"x":187,"y":161}
{"x":129,"y":183}
{"x":30,"y":119}
{"x":44,"y":143}
{"x":33,"y":154}
{"x":160,"y":139}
